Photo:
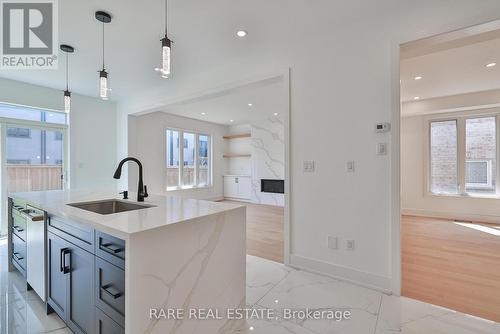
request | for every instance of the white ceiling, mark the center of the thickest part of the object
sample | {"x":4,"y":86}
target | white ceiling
{"x":267,"y":98}
{"x":203,"y":36}
{"x":452,"y":72}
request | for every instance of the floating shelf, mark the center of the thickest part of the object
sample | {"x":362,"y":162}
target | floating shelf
{"x":237,"y":155}
{"x":242,"y":135}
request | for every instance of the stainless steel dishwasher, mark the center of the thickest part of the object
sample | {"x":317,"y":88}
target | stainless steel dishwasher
{"x":35,"y":250}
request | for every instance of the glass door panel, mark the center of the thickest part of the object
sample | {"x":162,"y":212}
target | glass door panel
{"x":34,"y":159}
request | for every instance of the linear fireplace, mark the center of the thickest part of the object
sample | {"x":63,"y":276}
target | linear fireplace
{"x":272,"y":186}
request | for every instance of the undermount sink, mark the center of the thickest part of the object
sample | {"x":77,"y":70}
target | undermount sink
{"x":110,"y":206}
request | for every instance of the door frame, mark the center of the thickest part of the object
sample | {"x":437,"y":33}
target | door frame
{"x":429,"y":40}
{"x":11,"y":122}
{"x":280,"y":74}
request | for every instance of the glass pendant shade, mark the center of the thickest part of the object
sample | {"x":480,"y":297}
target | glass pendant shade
{"x":165,"y":60}
{"x":103,"y":84}
{"x":67,"y":101}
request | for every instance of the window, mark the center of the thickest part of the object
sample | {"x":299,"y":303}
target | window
{"x":480,"y":155}
{"x":32,"y":114}
{"x":188,"y":172}
{"x":463,"y":155}
{"x":19,"y":133}
{"x":203,"y":163}
{"x":172,"y":159}
{"x":18,"y":161}
{"x":195,"y":169}
{"x":444,"y":157}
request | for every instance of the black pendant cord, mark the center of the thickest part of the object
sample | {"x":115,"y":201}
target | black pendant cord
{"x":67,"y":71}
{"x":166,"y":17}
{"x":103,"y":46}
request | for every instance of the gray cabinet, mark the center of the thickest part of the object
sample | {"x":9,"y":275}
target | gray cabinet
{"x":86,"y":277}
{"x":57,"y":292}
{"x":81,"y":284}
{"x":110,"y":290}
{"x":71,"y":284}
{"x":110,"y":249}
{"x":106,"y":325}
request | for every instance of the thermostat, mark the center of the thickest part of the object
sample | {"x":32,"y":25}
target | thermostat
{"x":382,"y":127}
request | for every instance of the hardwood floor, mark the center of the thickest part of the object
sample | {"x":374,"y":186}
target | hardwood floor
{"x":264,"y":231}
{"x":452,"y":264}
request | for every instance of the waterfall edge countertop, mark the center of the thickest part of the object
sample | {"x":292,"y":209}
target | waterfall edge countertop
{"x":164,"y":210}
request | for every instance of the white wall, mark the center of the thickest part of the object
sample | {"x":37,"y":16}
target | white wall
{"x":414,"y":199}
{"x":93,"y":138}
{"x":343,"y":80}
{"x":147,"y":142}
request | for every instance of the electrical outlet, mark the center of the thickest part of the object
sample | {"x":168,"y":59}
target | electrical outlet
{"x":332,"y":242}
{"x":381,"y":149}
{"x":349,"y":166}
{"x":350,"y":245}
{"x":308,"y":166}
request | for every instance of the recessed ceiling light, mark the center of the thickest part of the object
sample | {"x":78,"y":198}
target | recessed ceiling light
{"x":157,"y":69}
{"x":203,"y":113}
{"x":418,"y":77}
{"x":491,"y":65}
{"x":241,"y":33}
{"x":416,"y":98}
{"x":275,"y":114}
{"x":231,"y":120}
{"x":250,"y":104}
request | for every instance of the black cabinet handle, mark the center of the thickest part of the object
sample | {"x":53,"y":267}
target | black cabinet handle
{"x":114,"y":293}
{"x":17,"y":228}
{"x":64,"y":268}
{"x":18,"y":258}
{"x":112,"y":248}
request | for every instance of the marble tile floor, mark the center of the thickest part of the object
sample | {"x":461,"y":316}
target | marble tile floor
{"x":271,"y":285}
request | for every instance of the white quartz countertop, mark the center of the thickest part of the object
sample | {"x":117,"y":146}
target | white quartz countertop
{"x":167,"y":210}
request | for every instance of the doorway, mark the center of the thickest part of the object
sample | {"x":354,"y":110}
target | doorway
{"x":33,"y":151}
{"x":247,"y":131}
{"x":449,"y":153}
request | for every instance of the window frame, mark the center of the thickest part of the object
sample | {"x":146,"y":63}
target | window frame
{"x":489,"y":175}
{"x":460,"y":118}
{"x":196,"y":184}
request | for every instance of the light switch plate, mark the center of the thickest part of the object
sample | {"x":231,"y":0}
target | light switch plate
{"x":332,"y":242}
{"x":308,"y":166}
{"x":349,"y":166}
{"x":350,"y":245}
{"x":382,"y":149}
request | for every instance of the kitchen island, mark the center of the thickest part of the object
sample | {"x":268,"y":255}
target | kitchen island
{"x":115,"y":265}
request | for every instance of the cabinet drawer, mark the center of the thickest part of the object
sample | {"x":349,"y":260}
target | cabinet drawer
{"x":19,"y":225}
{"x":110,"y":249}
{"x":110,"y":290}
{"x":78,"y":234}
{"x":19,"y":251}
{"x":106,"y":325}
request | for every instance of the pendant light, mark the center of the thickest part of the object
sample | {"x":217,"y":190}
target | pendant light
{"x":103,"y":75}
{"x":166,"y":45}
{"x":67,"y":94}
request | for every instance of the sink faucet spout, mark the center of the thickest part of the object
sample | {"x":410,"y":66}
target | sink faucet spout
{"x":142,"y":190}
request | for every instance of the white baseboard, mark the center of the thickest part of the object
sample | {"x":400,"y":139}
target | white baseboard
{"x":452,"y":215}
{"x":215,"y":199}
{"x":364,"y":279}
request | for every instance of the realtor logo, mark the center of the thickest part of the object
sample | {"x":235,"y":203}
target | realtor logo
{"x":29,"y":34}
